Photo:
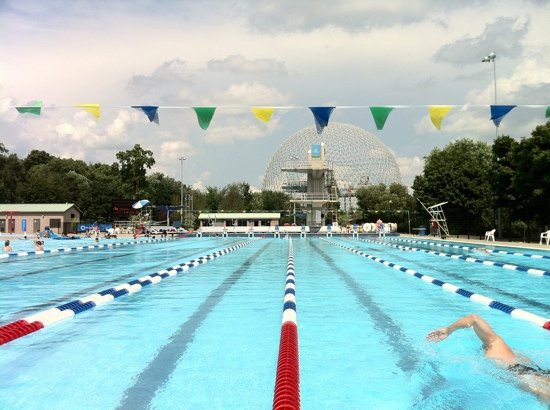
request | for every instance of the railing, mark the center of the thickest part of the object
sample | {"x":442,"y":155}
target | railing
{"x":325,"y":197}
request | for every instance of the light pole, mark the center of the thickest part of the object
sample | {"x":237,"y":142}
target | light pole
{"x":488,"y":59}
{"x":181,"y":191}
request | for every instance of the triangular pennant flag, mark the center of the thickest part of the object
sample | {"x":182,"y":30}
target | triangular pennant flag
{"x":150,"y":110}
{"x":498,"y":112}
{"x":93,"y":109}
{"x":204,"y":115}
{"x":547,"y":115}
{"x":380,"y":115}
{"x":321,"y":115}
{"x":263,"y":113}
{"x":33,"y":107}
{"x":437,"y":113}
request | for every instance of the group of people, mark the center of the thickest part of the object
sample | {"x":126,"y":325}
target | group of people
{"x":38,"y":245}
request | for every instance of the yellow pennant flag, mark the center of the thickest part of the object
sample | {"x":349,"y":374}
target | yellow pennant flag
{"x":437,"y":113}
{"x":263,"y":113}
{"x":93,"y":109}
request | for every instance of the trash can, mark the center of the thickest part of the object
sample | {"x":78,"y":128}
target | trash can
{"x":422,"y":230}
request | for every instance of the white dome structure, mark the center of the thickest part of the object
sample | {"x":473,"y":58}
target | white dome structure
{"x":357,"y":158}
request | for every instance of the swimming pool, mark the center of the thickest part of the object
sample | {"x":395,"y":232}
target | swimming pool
{"x":208,"y":337}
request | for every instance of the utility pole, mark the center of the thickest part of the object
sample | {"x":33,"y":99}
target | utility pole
{"x":181,"y":191}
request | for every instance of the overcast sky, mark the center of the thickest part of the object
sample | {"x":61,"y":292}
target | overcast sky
{"x":259,"y":53}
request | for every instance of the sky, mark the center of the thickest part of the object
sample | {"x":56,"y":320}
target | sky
{"x":236,"y":54}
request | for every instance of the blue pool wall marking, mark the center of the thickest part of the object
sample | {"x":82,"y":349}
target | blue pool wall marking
{"x":448,"y":245}
{"x":69,"y":310}
{"x":484,"y":300}
{"x":81,"y":248}
{"x":509,"y":266}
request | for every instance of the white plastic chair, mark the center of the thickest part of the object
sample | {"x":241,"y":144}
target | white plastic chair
{"x":490,"y":235}
{"x":545,"y":236}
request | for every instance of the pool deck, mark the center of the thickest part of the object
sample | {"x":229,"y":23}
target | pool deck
{"x":427,"y":238}
{"x":519,"y":245}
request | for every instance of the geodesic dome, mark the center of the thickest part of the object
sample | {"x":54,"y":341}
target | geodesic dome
{"x":357,"y":158}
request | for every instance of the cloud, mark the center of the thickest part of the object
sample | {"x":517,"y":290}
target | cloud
{"x":238,"y":128}
{"x":504,"y":36}
{"x":248,"y":94}
{"x":122,"y":124}
{"x":238,"y":64}
{"x":409,"y":168}
{"x":169,"y":84}
{"x":291,"y":15}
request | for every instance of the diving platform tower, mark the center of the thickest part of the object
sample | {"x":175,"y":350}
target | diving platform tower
{"x":321,"y":190}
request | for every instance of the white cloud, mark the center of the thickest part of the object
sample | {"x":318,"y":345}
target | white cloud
{"x":238,"y":64}
{"x":122,"y":124}
{"x":409,"y":168}
{"x":199,"y":185}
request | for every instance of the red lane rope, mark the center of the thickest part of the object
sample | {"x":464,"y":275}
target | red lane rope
{"x":287,"y":381}
{"x":287,"y":384}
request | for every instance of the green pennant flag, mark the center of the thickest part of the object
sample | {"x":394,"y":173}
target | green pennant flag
{"x":204,"y":115}
{"x":547,"y":115}
{"x":380,"y":115}
{"x":32,"y":108}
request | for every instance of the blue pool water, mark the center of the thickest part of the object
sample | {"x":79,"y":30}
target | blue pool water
{"x":208,"y":338}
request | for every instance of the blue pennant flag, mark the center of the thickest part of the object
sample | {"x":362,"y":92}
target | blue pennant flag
{"x":498,"y":112}
{"x":150,"y":111}
{"x":321,"y":115}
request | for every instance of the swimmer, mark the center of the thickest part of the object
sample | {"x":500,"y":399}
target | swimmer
{"x":484,"y":250}
{"x":530,"y":377}
{"x":7,"y":246}
{"x":38,"y":246}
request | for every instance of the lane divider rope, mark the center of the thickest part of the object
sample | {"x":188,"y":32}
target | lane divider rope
{"x":81,"y":248}
{"x":32,"y":323}
{"x":287,"y":382}
{"x":509,"y":266}
{"x":484,"y":300}
{"x":448,"y":245}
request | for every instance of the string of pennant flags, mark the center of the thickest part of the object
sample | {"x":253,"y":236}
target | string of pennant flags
{"x":321,"y":115}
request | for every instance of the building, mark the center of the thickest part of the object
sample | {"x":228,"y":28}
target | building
{"x":239,"y":222}
{"x":356,"y":157}
{"x":30,"y":218}
{"x":321,"y":190}
{"x":351,"y":158}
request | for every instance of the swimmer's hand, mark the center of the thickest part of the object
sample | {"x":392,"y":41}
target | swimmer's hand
{"x":438,"y":335}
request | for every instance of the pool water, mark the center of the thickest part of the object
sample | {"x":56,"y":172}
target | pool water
{"x":208,"y":337}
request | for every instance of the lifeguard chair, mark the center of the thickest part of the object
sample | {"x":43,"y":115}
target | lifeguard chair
{"x":438,"y":223}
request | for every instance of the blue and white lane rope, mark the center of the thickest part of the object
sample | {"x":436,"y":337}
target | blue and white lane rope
{"x":289,"y":301}
{"x":81,"y":248}
{"x":69,"y":310}
{"x":484,"y":300}
{"x":533,"y":271}
{"x":447,"y":245}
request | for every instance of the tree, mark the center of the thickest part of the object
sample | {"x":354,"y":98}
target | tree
{"x":236,"y":197}
{"x":531,"y":180}
{"x":275,"y":201}
{"x":381,"y":198}
{"x":213,"y":198}
{"x":460,"y":174}
{"x":36,"y":157}
{"x":12,"y":176}
{"x":133,"y":164}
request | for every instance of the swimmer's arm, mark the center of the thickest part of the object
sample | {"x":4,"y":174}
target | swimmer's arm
{"x":480,"y":326}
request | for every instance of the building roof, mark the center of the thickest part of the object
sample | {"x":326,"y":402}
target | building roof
{"x":29,"y":208}
{"x":241,"y":215}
